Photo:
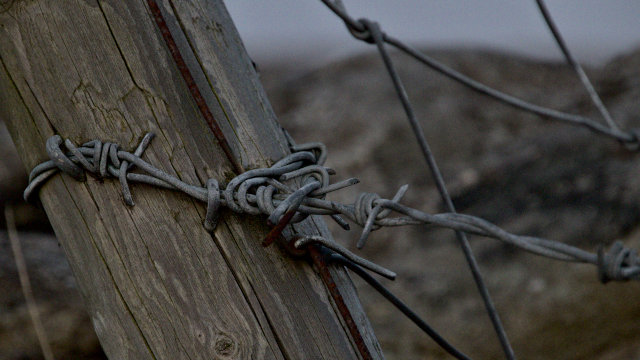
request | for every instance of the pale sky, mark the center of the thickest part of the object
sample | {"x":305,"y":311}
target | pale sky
{"x":306,"y":32}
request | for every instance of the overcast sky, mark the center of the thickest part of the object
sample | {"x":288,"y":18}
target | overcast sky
{"x":304,"y":30}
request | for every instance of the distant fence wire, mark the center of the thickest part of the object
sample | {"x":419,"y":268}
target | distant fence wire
{"x":370,"y":32}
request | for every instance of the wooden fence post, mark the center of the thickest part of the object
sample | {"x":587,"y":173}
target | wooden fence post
{"x":156,"y":284}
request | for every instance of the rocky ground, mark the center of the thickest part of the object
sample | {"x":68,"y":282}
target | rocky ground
{"x":528,"y":175}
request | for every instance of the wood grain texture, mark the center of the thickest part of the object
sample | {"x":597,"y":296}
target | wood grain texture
{"x":155,"y":283}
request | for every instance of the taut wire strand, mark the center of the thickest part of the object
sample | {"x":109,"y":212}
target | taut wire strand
{"x":372,"y":30}
{"x":406,"y":310}
{"x":577,"y":68}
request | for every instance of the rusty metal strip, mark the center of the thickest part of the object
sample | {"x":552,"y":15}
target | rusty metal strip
{"x":325,"y":275}
{"x":191,"y":84}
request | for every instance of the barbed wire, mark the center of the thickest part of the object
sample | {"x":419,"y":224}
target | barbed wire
{"x":294,"y":188}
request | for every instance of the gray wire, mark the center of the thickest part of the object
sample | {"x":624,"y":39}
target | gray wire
{"x":306,"y":240}
{"x":593,"y":94}
{"x":377,"y":37}
{"x":406,"y":310}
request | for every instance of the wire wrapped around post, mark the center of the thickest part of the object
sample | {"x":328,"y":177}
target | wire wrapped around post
{"x":264,"y":192}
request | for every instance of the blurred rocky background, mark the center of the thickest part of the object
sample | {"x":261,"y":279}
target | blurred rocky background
{"x":528,"y":175}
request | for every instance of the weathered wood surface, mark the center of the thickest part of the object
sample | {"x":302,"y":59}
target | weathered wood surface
{"x":155,"y":283}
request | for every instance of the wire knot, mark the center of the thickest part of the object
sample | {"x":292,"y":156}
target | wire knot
{"x":98,"y":159}
{"x":366,"y":32}
{"x":262,"y":191}
{"x":281,"y":191}
{"x":368,"y":211}
{"x":634,"y":143}
{"x":365,"y":207}
{"x":618,"y":264}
